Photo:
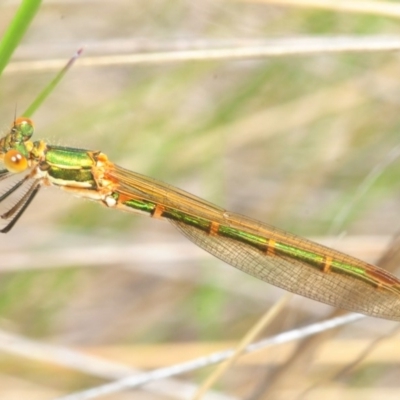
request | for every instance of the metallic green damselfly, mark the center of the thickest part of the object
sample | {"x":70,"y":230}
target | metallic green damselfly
{"x":268,"y":253}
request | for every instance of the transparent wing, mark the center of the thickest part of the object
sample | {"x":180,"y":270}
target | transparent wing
{"x":297,"y":276}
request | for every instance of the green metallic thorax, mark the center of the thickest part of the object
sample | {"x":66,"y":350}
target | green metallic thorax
{"x":70,"y":158}
{"x":68,"y":166}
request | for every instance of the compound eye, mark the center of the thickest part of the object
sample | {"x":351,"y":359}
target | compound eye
{"x":15,"y":162}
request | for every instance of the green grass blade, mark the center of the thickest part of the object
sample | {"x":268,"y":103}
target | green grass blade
{"x":50,"y":87}
{"x":15,"y":32}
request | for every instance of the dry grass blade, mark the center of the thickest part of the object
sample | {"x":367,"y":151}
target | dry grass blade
{"x":250,"y":336}
{"x":271,"y":48}
{"x":162,"y":373}
{"x":91,"y":365}
{"x":385,"y":8}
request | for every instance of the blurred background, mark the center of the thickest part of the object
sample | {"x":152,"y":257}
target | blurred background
{"x":306,"y":142}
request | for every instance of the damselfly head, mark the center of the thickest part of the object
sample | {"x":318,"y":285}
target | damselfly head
{"x":22,"y":129}
{"x":15,"y":146}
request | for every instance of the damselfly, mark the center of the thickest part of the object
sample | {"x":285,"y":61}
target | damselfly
{"x":268,"y":253}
